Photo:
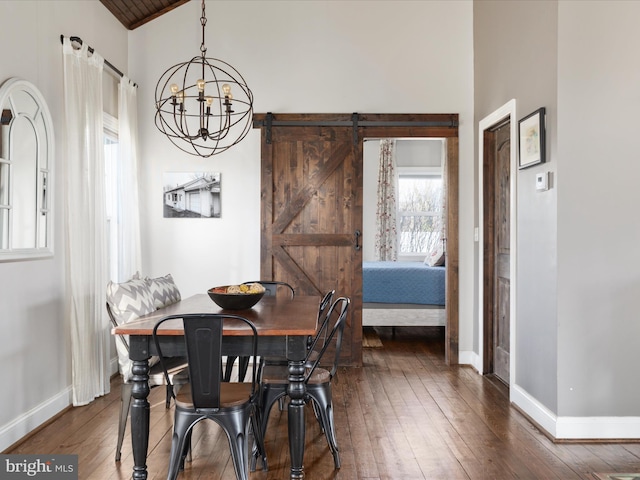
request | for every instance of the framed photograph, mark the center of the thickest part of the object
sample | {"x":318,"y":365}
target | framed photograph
{"x":531,"y":130}
{"x":191,"y":195}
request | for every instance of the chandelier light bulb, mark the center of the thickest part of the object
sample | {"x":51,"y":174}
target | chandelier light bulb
{"x":209,"y":101}
{"x":174,"y":89}
{"x":226,"y":89}
{"x":180,"y":96}
{"x":200,"y":83}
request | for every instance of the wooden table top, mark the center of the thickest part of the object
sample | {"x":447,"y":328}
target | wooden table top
{"x":272,"y":316}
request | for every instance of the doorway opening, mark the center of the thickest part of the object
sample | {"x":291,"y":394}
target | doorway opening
{"x":404,"y":266}
{"x":311,"y":190}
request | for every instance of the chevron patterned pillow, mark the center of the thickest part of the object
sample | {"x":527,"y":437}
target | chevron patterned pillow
{"x":128,"y":301}
{"x":163,"y":290}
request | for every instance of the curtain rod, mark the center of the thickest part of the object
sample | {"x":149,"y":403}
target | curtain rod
{"x":91,"y":50}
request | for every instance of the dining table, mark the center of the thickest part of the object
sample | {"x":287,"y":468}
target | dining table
{"x":284,"y":326}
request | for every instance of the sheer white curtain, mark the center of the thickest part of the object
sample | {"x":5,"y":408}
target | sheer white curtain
{"x":128,"y":215}
{"x":85,"y":222}
{"x":386,"y":230}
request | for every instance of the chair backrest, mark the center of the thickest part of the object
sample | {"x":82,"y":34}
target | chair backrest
{"x":321,"y":335}
{"x":271,"y":287}
{"x":324,"y":303}
{"x":203,"y":340}
{"x":337,"y":311}
{"x":122,"y":338}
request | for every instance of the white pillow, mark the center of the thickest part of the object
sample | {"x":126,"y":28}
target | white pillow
{"x":130,"y":300}
{"x":435,"y":257}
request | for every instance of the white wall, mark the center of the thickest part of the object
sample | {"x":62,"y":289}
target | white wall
{"x":298,"y":57}
{"x":577,"y":244}
{"x":33,"y":328}
{"x":598,"y":236}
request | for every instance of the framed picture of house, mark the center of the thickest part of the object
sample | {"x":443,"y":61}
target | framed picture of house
{"x":531,"y":132}
{"x":191,"y":195}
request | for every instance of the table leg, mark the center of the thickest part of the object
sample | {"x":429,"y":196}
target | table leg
{"x":140,"y":418}
{"x":297,"y":390}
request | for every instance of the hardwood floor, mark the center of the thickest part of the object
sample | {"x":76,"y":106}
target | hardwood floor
{"x":404,"y":415}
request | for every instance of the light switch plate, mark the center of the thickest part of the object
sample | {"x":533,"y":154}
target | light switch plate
{"x":542,"y":181}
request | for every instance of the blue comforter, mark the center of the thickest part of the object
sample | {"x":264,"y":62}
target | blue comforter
{"x":402,"y":282}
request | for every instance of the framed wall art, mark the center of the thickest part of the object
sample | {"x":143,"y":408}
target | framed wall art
{"x":531,"y":130}
{"x":191,"y":195}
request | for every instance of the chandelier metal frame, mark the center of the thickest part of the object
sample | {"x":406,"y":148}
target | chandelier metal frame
{"x":203,"y":106}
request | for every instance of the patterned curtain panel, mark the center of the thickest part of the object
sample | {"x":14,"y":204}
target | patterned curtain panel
{"x":386,"y":247}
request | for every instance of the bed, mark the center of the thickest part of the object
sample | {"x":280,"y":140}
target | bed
{"x":400,"y":294}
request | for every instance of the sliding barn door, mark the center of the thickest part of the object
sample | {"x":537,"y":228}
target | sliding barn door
{"x":311,"y":211}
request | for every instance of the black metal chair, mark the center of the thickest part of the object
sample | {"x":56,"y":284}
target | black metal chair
{"x":177,"y":367}
{"x":318,"y":341}
{"x":232,"y":405}
{"x":271,"y":290}
{"x":274,"y":379}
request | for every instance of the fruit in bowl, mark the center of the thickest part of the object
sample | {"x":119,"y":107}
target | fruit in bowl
{"x":237,"y":297}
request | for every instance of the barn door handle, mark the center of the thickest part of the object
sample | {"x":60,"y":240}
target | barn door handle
{"x":358,"y":234}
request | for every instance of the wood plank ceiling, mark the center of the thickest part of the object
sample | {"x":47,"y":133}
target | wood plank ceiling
{"x":132,"y":14}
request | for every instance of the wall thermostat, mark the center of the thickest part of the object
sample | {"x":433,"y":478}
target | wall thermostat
{"x":542,"y":181}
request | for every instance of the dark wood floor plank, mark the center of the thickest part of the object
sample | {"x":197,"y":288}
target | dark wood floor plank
{"x":363,"y":415}
{"x":436,"y":460}
{"x":349,"y":418}
{"x":617,"y":457}
{"x":395,"y":445}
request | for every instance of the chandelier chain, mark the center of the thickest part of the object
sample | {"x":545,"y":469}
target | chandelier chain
{"x":203,"y":22}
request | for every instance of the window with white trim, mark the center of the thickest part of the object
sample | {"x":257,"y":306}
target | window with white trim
{"x":419,"y":209}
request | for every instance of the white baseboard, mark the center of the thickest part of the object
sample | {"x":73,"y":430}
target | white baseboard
{"x":114,"y":366}
{"x":469,"y":358}
{"x":575,"y":428}
{"x":540,"y":414}
{"x":605,"y":428}
{"x":27,"y":422}
{"x":565,"y":428}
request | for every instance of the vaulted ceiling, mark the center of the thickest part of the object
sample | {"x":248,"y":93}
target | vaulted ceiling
{"x":132,"y":14}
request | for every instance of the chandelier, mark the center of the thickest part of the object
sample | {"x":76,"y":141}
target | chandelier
{"x":204,"y":105}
